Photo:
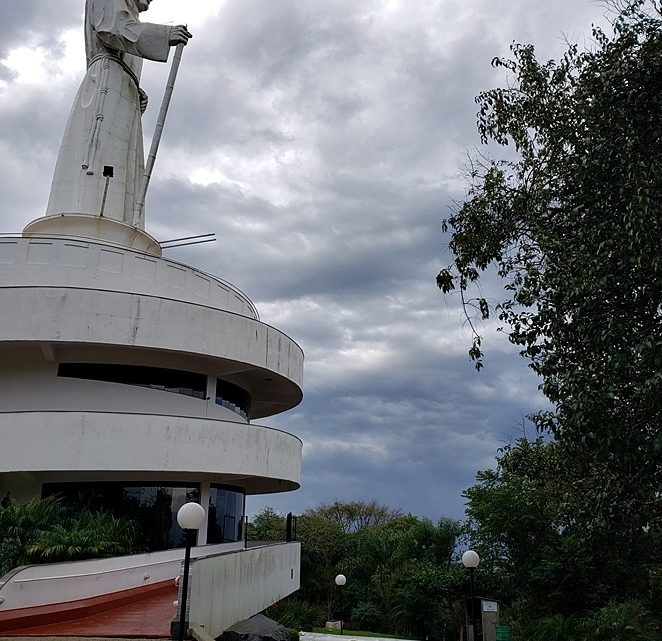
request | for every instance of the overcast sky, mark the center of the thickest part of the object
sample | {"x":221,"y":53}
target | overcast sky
{"x":323,"y":141}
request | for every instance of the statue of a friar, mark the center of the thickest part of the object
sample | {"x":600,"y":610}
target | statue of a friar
{"x":101,"y":158}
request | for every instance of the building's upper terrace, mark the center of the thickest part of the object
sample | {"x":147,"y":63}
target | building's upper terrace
{"x":82,"y":264}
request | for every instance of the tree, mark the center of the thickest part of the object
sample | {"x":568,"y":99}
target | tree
{"x":573,"y":225}
{"x":268,"y":525}
{"x":323,"y":546}
{"x":522,"y":521}
{"x":405,"y":577}
{"x":352,"y":516}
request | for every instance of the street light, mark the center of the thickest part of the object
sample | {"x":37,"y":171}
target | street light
{"x":470,"y":559}
{"x":190,"y":517}
{"x":341,"y":579}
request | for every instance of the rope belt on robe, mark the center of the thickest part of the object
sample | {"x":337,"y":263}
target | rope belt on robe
{"x":101,"y":98}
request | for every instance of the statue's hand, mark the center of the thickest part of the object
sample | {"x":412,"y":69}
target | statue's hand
{"x":179,"y":35}
{"x":143,"y":101}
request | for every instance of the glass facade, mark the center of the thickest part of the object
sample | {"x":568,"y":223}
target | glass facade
{"x":226,"y":513}
{"x":233,"y":397}
{"x":153,"y":506}
{"x":159,"y":378}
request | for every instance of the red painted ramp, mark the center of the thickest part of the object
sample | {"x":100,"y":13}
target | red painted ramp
{"x":148,"y":618}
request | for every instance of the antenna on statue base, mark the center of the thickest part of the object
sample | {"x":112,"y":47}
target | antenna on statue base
{"x":188,"y":240}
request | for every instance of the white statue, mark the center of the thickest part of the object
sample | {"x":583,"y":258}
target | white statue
{"x":101,"y":165}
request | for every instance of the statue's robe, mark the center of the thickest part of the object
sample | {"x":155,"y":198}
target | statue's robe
{"x":104,"y":127}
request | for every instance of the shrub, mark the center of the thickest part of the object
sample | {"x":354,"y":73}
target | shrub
{"x":297,"y":614}
{"x":50,"y":530}
{"x":294,"y":634}
{"x":366,"y":616}
{"x":556,"y":628}
{"x":627,"y":621}
{"x":84,"y":536}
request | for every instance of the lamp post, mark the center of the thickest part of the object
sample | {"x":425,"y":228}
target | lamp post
{"x":341,"y":579}
{"x":190,"y":517}
{"x":470,"y":559}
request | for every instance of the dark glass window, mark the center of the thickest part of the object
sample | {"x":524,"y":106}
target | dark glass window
{"x":153,"y":506}
{"x":226,"y":513}
{"x":168,"y":380}
{"x":233,"y":397}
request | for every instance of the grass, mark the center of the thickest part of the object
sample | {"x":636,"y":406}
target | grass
{"x":357,"y":633}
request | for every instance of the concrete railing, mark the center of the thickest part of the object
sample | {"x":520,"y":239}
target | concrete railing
{"x":69,"y":262}
{"x":244,"y":583}
{"x":54,"y":583}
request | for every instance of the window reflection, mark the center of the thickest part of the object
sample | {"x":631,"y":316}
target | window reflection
{"x":234,"y":398}
{"x":226,"y":511}
{"x":153,"y":506}
{"x":158,"y":378}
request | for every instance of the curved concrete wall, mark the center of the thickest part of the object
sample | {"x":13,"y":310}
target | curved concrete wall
{"x":28,"y":382}
{"x":256,"y":356}
{"x":53,"y":262}
{"x":258,"y":458}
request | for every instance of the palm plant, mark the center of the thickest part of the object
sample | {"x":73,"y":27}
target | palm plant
{"x":556,"y":628}
{"x":84,"y":536}
{"x":627,"y":621}
{"x":48,"y":530}
{"x":20,"y":523}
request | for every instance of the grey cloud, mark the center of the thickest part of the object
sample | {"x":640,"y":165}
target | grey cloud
{"x":37,"y":23}
{"x":335,"y":133}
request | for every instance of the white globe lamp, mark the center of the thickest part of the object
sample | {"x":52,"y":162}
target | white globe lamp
{"x":470,"y":559}
{"x":341,"y":579}
{"x":191,"y":516}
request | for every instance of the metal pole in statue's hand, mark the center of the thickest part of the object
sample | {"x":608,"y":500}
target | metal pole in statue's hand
{"x":151,"y":158}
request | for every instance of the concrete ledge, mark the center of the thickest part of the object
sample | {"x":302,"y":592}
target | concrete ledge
{"x":257,"y":458}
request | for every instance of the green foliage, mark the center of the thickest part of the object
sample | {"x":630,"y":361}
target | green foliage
{"x":522,"y":519}
{"x":626,"y":621}
{"x":268,"y":525}
{"x":294,"y":634}
{"x":296,"y":614}
{"x":323,"y":545}
{"x":573,"y":226}
{"x":366,"y":616}
{"x":404,"y":578}
{"x":48,"y":530}
{"x":84,"y":535}
{"x":557,"y":628}
{"x":353,"y":516}
{"x":357,"y":633}
{"x":19,"y":524}
{"x":572,"y":222}
{"x":403,"y":575}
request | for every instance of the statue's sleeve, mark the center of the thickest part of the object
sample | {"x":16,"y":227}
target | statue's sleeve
{"x":119,"y":30}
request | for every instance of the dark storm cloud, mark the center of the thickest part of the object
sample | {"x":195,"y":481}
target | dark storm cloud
{"x":323,"y":143}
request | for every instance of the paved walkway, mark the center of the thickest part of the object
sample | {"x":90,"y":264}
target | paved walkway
{"x":146,"y":619}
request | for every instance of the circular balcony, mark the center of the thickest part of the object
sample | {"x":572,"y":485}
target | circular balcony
{"x":71,"y":262}
{"x":57,"y":294}
{"x":58,"y":446}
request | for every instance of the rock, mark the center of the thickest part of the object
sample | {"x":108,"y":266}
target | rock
{"x":257,"y":628}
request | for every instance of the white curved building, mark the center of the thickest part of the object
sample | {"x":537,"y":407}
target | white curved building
{"x":132,"y":383}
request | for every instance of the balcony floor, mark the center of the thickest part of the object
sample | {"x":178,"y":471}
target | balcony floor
{"x":146,"y":619}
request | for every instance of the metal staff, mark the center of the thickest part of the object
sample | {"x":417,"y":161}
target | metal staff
{"x":151,"y":159}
